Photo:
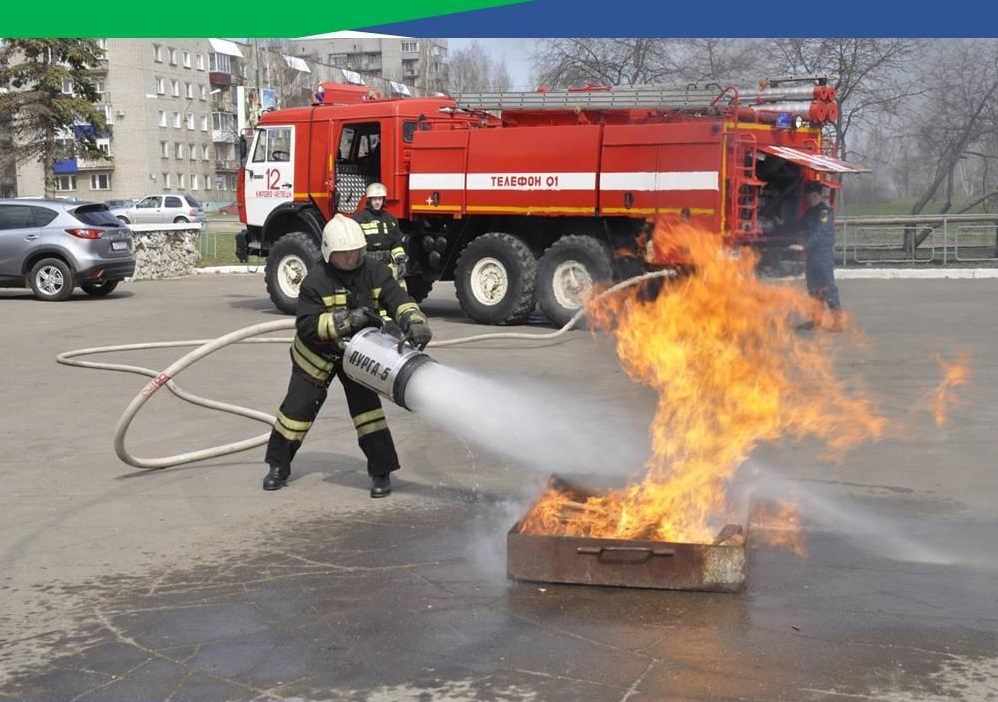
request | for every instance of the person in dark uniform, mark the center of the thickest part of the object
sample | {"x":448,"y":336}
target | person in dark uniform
{"x":338,"y":298}
{"x":818,"y":226}
{"x":384,"y":239}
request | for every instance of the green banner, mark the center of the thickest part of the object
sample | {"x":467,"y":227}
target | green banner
{"x":117,"y":18}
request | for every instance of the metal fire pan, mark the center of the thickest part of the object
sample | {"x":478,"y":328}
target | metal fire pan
{"x":717,"y":567}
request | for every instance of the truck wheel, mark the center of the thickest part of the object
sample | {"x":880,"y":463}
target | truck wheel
{"x":496,"y":278}
{"x":287,"y":264}
{"x":417,"y":288}
{"x":567,"y":272}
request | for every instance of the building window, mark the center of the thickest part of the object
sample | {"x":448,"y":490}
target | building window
{"x":173,"y":57}
{"x":102,"y":45}
{"x":108,"y":114}
{"x":187,"y":58}
{"x":199,"y":61}
{"x":220,"y":63}
{"x":100,"y":181}
{"x":232,"y":183}
{"x":65,"y":182}
{"x":160,"y":86}
{"x":410,"y":46}
{"x":67,"y":86}
{"x":204,"y":123}
{"x":194,"y":181}
{"x":164,"y":149}
{"x":178,"y":150}
{"x":205,"y":152}
{"x":223,"y":122}
{"x":207,"y":182}
{"x":166,"y":181}
{"x":104,"y":145}
{"x":162,"y":118}
{"x":180,"y":181}
{"x":204,"y":92}
{"x":176,"y":120}
{"x":192,"y":149}
{"x":157,"y":53}
{"x":99,"y":86}
{"x":189,"y":91}
{"x":190,"y":120}
{"x":175,"y":88}
{"x":220,"y":183}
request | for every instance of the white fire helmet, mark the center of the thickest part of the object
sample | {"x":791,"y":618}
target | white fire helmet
{"x":341,"y":234}
{"x":376,"y":190}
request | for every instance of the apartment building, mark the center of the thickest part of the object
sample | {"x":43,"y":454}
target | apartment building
{"x":176,"y":109}
{"x":418,"y":62}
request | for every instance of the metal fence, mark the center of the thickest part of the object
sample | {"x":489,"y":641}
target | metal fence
{"x":917,"y":240}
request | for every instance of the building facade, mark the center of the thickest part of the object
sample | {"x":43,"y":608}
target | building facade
{"x":176,"y":109}
{"x":421,"y":63}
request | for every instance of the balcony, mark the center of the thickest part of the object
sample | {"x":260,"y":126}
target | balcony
{"x":224,"y":136}
{"x":410,"y":55}
{"x":219,"y":78}
{"x":226,"y":166}
{"x":95,"y":164}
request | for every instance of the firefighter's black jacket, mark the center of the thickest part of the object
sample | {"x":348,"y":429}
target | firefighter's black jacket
{"x":819,"y":230}
{"x":327,"y":289}
{"x":381,"y":229}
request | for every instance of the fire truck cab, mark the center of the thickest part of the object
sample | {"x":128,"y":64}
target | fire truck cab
{"x":528,"y":198}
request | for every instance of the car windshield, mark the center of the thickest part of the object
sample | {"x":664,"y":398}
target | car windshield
{"x":192,"y":202}
{"x":96,"y":216}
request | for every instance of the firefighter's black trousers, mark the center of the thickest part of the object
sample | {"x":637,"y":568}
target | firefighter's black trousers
{"x":301,"y":406}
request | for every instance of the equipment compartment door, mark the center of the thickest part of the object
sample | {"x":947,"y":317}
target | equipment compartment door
{"x":269,"y":172}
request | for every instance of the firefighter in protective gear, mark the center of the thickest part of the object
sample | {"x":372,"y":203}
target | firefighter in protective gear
{"x":384,"y":239}
{"x":338,"y":298}
{"x":819,"y":257}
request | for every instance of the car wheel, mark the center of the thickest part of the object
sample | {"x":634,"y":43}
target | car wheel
{"x":496,"y":278}
{"x":124,"y":220}
{"x":287,"y":265}
{"x":51,"y":280}
{"x":566,"y":275}
{"x":100,"y":289}
{"x":181,"y":220}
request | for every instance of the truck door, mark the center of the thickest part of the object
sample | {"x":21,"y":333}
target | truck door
{"x":268,"y":178}
{"x":356,"y":163}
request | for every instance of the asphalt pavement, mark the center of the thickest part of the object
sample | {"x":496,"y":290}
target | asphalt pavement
{"x":191,"y":583}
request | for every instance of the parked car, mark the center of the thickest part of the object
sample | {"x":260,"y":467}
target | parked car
{"x":162,"y":209}
{"x":55,"y":245}
{"x":122,"y":204}
{"x":231,"y":209}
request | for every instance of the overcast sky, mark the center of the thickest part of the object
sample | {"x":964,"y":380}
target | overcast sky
{"x":515,"y":52}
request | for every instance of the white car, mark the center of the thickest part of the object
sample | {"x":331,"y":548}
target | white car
{"x":162,"y":209}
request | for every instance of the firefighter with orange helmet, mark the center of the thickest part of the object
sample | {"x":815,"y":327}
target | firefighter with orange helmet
{"x":338,"y":298}
{"x":384,"y":239}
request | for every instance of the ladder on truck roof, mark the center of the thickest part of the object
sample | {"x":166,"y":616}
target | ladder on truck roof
{"x":690,"y":97}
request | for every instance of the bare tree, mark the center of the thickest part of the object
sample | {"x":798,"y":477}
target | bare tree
{"x":47,"y":90}
{"x":711,"y":59}
{"x":562,"y":63}
{"x":501,"y":82}
{"x":470,"y":70}
{"x":872,"y":76}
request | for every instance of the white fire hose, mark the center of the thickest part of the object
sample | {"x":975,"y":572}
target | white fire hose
{"x":245,"y":335}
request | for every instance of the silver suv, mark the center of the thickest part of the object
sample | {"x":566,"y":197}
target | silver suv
{"x":53,"y":246}
{"x":162,"y":209}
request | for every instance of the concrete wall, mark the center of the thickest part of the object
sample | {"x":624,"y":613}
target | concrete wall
{"x":165,"y":250}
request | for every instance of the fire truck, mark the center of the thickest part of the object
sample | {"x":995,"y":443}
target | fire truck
{"x":527,"y":198}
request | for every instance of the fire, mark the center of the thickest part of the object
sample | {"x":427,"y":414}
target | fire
{"x":720,"y":348}
{"x":954,"y":374}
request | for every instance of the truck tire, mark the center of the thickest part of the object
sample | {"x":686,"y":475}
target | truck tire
{"x":496,"y":279}
{"x":567,"y":271}
{"x":287,"y":265}
{"x":417,"y":288}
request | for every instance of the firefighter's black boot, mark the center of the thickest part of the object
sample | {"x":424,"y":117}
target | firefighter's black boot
{"x":276,"y":478}
{"x":381,"y":485}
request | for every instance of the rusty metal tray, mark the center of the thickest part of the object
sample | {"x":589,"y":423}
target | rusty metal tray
{"x":717,"y":567}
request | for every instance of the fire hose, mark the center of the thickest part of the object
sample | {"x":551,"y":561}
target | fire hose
{"x":364,"y":350}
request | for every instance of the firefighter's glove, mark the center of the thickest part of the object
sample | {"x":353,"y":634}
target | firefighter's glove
{"x":398,"y":266}
{"x":349,"y":322}
{"x":415,"y":326}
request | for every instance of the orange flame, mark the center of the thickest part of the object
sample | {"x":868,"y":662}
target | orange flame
{"x":954,"y":374}
{"x":779,"y":525}
{"x":720,"y":348}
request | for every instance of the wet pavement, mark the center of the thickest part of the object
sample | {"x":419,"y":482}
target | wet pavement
{"x":191,"y":583}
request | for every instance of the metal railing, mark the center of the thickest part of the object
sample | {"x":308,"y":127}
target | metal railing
{"x":917,"y":239}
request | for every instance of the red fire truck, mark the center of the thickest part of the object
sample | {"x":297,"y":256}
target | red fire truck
{"x":527,"y":198}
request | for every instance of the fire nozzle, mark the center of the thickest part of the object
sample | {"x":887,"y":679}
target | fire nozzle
{"x":382,"y":363}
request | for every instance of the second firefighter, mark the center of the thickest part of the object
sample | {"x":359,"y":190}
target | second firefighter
{"x":381,"y":229}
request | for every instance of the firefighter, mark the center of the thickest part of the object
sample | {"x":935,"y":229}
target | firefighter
{"x":384,"y":239}
{"x":346,"y":294}
{"x":818,"y":226}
